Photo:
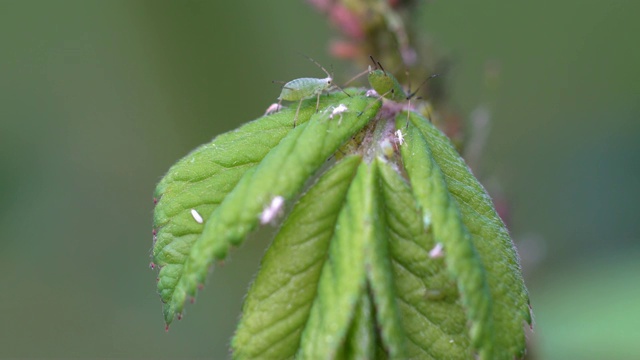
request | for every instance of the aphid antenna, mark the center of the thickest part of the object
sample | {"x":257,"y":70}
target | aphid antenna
{"x":411,"y":95}
{"x":320,"y":66}
{"x":378,"y":99}
{"x":341,"y":89}
{"x":336,"y":85}
{"x":355,"y":77}
{"x":376,"y":64}
{"x":329,"y":75}
{"x":373,"y":61}
{"x":424,"y":82}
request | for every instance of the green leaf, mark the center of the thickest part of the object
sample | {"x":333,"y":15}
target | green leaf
{"x":279,"y":300}
{"x":350,"y":274}
{"x":381,"y":281}
{"x":343,"y":278}
{"x":200,"y":181}
{"x":479,"y":251}
{"x":361,"y":339}
{"x":282,"y":172}
{"x":434,"y":322}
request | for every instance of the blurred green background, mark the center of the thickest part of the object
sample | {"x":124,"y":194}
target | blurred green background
{"x":99,"y":98}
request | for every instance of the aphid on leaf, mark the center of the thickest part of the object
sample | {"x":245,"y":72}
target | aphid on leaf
{"x":305,"y":88}
{"x":196,"y":216}
{"x":386,"y":84}
{"x":272,"y":211}
{"x":388,"y":87}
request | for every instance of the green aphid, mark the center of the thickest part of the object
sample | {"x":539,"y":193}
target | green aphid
{"x":305,"y":88}
{"x":387,"y":86}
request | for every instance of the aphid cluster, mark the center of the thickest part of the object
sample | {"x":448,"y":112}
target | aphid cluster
{"x":383,"y":86}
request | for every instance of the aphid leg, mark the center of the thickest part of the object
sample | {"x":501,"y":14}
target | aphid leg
{"x":355,"y":77}
{"x":341,"y":89}
{"x":411,"y":95}
{"x":406,"y":127}
{"x":408,"y":98}
{"x":295,"y":119}
{"x":379,"y":98}
{"x":317,"y":102}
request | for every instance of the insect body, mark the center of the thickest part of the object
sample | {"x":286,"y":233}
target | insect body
{"x":388,"y":87}
{"x":386,"y":84}
{"x":305,"y":88}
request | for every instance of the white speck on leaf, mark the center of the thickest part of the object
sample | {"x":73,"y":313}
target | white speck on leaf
{"x":196,"y":216}
{"x":437,"y":251}
{"x":426,"y":220}
{"x":338,"y":110}
{"x":273,"y":108}
{"x":272,"y":211}
{"x":399,"y":137}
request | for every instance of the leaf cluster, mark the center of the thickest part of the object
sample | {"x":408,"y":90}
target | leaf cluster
{"x":351,"y":272}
